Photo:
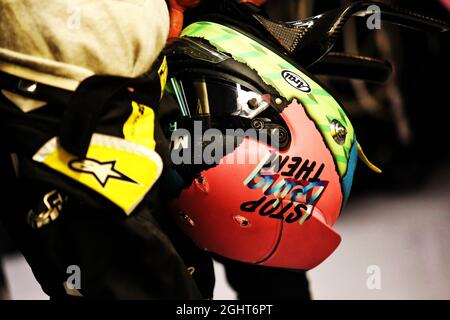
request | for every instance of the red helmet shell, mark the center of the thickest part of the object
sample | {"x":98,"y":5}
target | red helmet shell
{"x":279,"y":216}
{"x":261,"y":234}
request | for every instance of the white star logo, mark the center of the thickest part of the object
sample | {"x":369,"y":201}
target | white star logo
{"x":102,"y":171}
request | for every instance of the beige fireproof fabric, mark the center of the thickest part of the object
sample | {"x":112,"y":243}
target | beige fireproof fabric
{"x":62,"y":42}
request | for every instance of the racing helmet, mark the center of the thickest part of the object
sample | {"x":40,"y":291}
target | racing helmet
{"x":260,"y":204}
{"x":272,"y":204}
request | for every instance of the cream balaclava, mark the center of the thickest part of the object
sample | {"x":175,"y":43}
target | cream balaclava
{"x":62,"y":42}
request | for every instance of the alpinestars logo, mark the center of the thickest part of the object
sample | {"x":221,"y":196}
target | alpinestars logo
{"x":102,"y":171}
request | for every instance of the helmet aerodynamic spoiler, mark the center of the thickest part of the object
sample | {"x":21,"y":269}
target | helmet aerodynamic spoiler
{"x":309,"y":41}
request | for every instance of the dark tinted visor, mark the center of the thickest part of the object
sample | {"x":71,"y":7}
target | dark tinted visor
{"x":199,"y":96}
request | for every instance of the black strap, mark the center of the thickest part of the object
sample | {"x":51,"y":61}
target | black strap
{"x":89,"y":101}
{"x":84,"y":107}
{"x":34,"y":90}
{"x":84,"y":110}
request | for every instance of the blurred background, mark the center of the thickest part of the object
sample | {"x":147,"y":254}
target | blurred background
{"x":396,"y":227}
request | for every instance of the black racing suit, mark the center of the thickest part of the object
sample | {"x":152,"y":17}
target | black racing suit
{"x":56,"y":213}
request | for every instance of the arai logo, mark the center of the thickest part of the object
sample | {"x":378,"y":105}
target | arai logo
{"x":296,"y":81}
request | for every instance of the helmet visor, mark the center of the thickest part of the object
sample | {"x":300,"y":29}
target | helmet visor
{"x":201,"y":96}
